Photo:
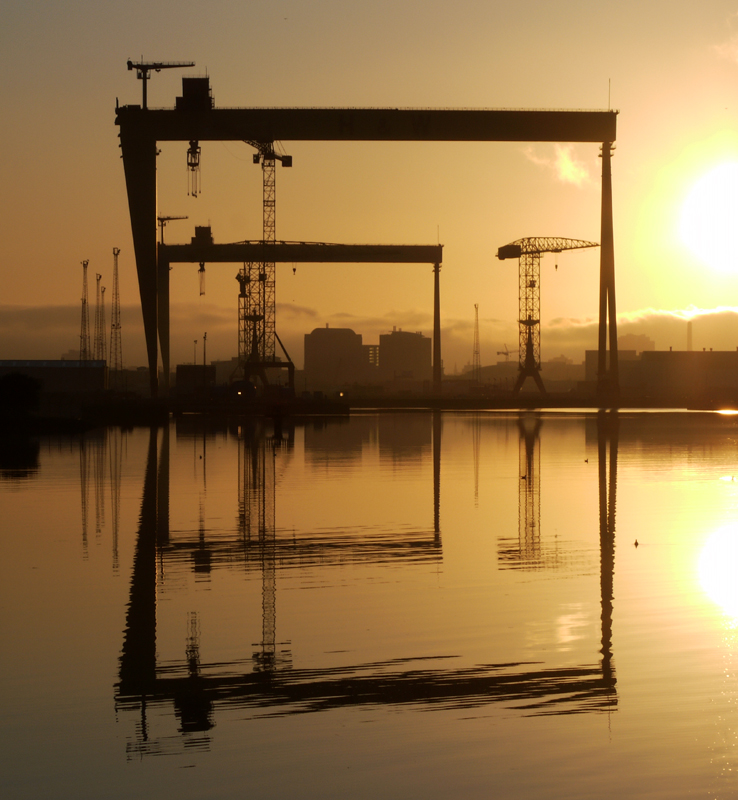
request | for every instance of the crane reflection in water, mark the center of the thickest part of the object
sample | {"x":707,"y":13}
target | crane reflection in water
{"x":269,"y":682}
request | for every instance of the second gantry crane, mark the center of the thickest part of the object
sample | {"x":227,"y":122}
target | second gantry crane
{"x":529,"y":251}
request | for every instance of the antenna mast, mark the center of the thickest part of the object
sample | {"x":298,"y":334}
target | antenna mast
{"x":98,"y":347}
{"x":476,"y":358}
{"x":84,"y":336}
{"x":116,"y":351}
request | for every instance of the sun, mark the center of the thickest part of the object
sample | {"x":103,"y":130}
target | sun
{"x":709,"y":218}
{"x":716,"y":568}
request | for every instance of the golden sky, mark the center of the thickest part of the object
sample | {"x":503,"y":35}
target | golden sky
{"x":670,"y":68}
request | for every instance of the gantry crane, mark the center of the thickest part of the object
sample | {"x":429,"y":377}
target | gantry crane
{"x":143,"y":70}
{"x":257,"y":280}
{"x":528,"y":251}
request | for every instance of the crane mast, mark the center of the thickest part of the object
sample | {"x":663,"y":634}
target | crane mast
{"x":528,"y":252}
{"x":257,"y":280}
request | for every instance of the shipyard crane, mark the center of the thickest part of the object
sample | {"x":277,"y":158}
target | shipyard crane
{"x":144,"y":68}
{"x":257,"y":280}
{"x":163,"y":223}
{"x":506,"y":352}
{"x":528,"y":251}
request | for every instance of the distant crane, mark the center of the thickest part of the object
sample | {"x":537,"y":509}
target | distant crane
{"x":507,"y":353}
{"x":144,"y":68}
{"x":84,"y":335}
{"x":528,"y":251}
{"x":116,"y":351}
{"x":257,"y":281}
{"x":477,"y":356}
{"x":163,"y":223}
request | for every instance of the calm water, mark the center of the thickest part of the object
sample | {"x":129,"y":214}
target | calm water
{"x":397,"y":605}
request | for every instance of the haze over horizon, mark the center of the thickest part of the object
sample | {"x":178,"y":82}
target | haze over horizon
{"x":670,"y":69}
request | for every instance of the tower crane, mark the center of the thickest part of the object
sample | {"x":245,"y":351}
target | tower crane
{"x":163,"y":223}
{"x":528,"y":252}
{"x":506,"y":352}
{"x":144,"y":68}
{"x":257,"y":281}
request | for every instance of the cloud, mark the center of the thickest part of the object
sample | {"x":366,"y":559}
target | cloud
{"x":728,"y":50}
{"x":564,"y":164}
{"x":50,"y":331}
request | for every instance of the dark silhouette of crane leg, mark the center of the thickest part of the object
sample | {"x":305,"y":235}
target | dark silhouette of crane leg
{"x":529,"y":368}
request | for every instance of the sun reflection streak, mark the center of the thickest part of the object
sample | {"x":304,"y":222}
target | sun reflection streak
{"x":716,"y":569}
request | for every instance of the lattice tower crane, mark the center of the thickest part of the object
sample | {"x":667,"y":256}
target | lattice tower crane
{"x":257,"y":280}
{"x":528,"y":251}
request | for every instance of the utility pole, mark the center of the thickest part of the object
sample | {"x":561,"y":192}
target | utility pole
{"x":194,"y":360}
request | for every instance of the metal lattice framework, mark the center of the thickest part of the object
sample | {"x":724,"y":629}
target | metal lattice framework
{"x":257,"y":281}
{"x":528,"y":251}
{"x":84,"y":335}
{"x":98,"y":345}
{"x":477,"y":355}
{"x":116,"y":350}
{"x":257,"y":524}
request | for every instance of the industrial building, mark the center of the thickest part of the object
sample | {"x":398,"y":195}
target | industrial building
{"x":674,"y":377}
{"x":337,"y":358}
{"x":60,"y":377}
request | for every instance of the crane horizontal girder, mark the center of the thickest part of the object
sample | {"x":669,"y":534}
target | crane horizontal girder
{"x":541,"y":244}
{"x":302,"y":252}
{"x":367,"y":124}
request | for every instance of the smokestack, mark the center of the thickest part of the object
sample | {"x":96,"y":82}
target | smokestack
{"x":689,"y":336}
